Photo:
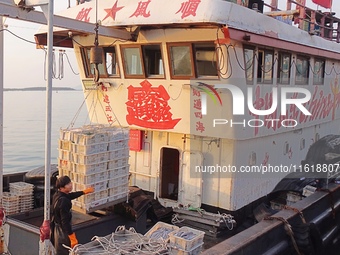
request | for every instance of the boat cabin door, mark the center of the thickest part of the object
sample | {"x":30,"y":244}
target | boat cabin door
{"x":169,"y":173}
{"x":190,"y":193}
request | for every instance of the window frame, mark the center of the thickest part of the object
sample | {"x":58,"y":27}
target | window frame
{"x":249,"y":47}
{"x":281,"y":55}
{"x":133,"y":76}
{"x":262,"y":68}
{"x":84,"y":51}
{"x":322,"y":82}
{"x":181,"y":77}
{"x":154,"y":76}
{"x":304,"y":57}
{"x":116,"y":61}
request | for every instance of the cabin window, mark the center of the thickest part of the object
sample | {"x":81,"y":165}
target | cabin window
{"x":88,"y":67}
{"x":181,"y":61}
{"x":193,"y":60}
{"x":302,"y":70}
{"x":318,"y":72}
{"x":284,"y":68}
{"x":249,"y":55}
{"x":265,"y":66}
{"x":111,"y":61}
{"x":153,"y":61}
{"x":206,"y":59}
{"x":132,"y":59}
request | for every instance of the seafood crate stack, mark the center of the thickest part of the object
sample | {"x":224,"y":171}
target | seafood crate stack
{"x":24,"y":192}
{"x":95,"y":156}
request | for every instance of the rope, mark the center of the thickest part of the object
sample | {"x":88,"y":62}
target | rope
{"x":288,"y":229}
{"x":297,"y":211}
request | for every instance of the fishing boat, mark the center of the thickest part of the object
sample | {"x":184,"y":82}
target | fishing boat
{"x":223,"y":100}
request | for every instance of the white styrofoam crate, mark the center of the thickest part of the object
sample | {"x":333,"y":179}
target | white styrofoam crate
{"x":89,"y":198}
{"x":120,"y":153}
{"x":21,"y":187}
{"x":118,"y":181}
{"x":184,"y":244}
{"x":90,"y":159}
{"x":116,"y":197}
{"x":94,"y":204}
{"x":116,"y":145}
{"x":65,"y":164}
{"x":89,"y":149}
{"x":86,"y":138}
{"x":119,"y":171}
{"x":65,"y":154}
{"x":97,"y":186}
{"x":65,"y":145}
{"x":90,"y":178}
{"x":118,"y":134}
{"x":112,"y":164}
{"x":124,"y":188}
{"x":89,"y":168}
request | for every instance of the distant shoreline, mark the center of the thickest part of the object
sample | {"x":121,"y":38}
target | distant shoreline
{"x":38,"y":89}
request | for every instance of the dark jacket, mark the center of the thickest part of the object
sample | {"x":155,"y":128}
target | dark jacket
{"x":61,"y":209}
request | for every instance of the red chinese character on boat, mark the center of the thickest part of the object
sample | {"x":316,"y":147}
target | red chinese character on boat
{"x":200,"y":126}
{"x":113,"y":11}
{"x":196,"y":93}
{"x":83,"y":14}
{"x":148,"y":107}
{"x":189,"y":8}
{"x":141,"y":9}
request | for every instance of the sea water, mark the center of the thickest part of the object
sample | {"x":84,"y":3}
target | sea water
{"x":25,"y":124}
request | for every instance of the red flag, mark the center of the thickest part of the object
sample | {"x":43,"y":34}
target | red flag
{"x":324,"y":3}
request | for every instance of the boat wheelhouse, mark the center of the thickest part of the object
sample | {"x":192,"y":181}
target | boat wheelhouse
{"x":192,"y":142}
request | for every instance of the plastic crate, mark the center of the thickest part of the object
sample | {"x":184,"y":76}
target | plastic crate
{"x":118,"y":181}
{"x":119,"y":153}
{"x":120,"y":171}
{"x":21,"y":188}
{"x":115,"y":145}
{"x":90,"y":159}
{"x":185,"y":244}
{"x":118,"y":190}
{"x":89,"y":149}
{"x":118,"y":134}
{"x":112,"y":164}
{"x":117,"y":197}
{"x":97,"y":186}
{"x":92,"y":197}
{"x":157,"y":227}
{"x":65,"y":145}
{"x":89,"y":168}
{"x":194,"y":251}
{"x":65,"y":154}
{"x":90,"y":178}
{"x":90,"y":137}
{"x":64,"y":163}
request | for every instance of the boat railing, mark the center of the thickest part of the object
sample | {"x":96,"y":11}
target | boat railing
{"x":315,"y":22}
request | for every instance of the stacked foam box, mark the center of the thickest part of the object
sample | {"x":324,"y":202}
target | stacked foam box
{"x":10,"y":203}
{"x":95,"y":156}
{"x":24,"y":191}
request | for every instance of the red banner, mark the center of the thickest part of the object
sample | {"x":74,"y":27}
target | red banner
{"x":323,"y":3}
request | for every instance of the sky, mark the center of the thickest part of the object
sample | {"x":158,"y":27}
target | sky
{"x":24,"y":64}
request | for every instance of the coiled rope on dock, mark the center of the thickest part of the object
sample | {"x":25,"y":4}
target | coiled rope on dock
{"x":123,"y":241}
